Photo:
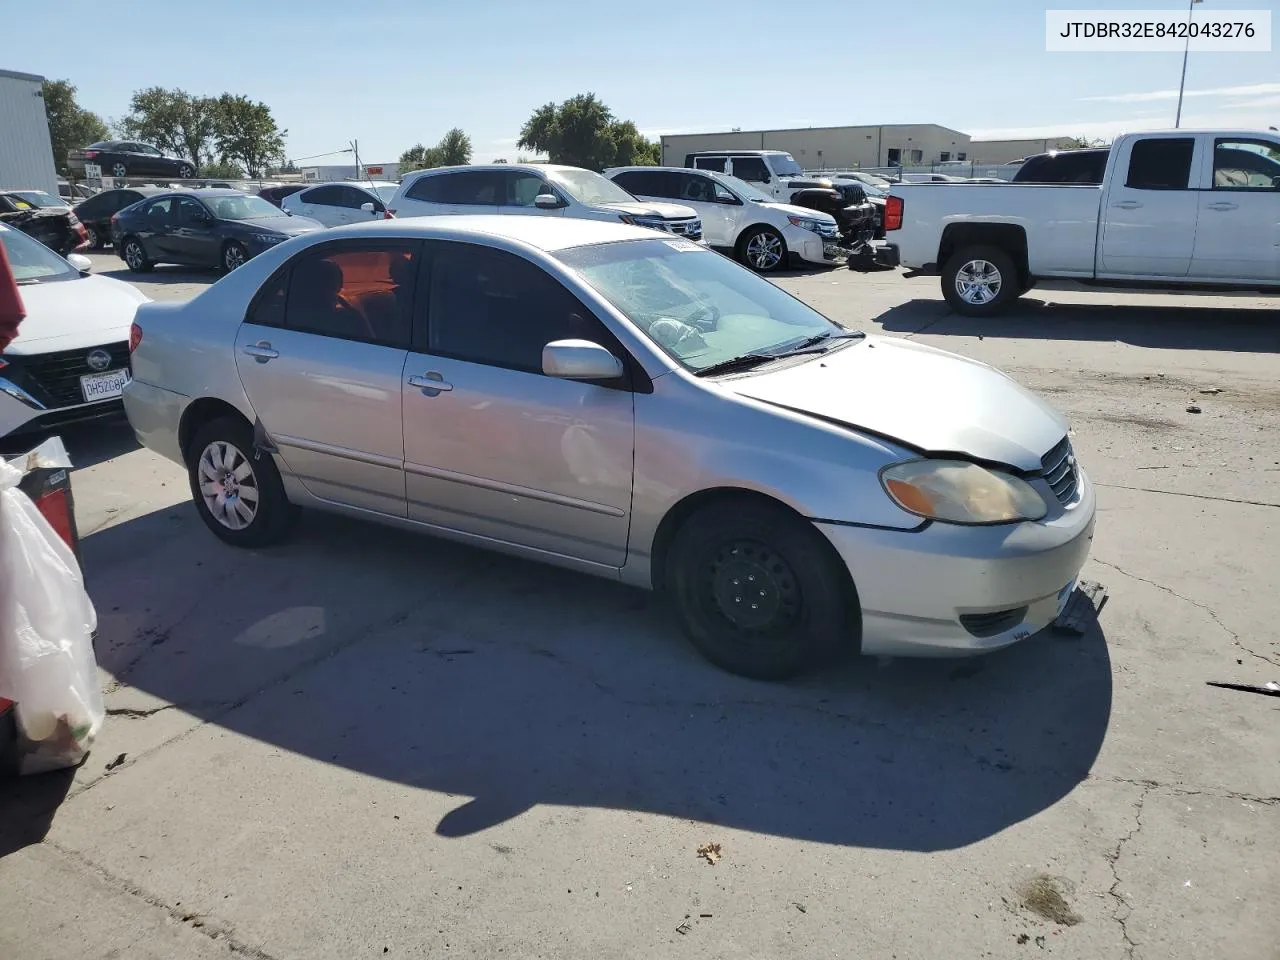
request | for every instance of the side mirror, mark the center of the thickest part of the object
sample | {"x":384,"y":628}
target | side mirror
{"x":579,"y":360}
{"x":366,"y":208}
{"x":547,"y":201}
{"x":80,"y":262}
{"x":766,"y":179}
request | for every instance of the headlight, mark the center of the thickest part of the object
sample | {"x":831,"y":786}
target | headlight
{"x":804,"y":223}
{"x":640,"y":220}
{"x":267,"y":239}
{"x":956,"y":491}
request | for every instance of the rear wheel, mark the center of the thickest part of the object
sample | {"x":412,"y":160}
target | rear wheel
{"x":759,"y":591}
{"x":93,"y":239}
{"x":763,"y":249}
{"x":135,"y":255}
{"x":980,"y":281}
{"x":239,"y":497}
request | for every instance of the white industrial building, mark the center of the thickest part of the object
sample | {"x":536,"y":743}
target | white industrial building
{"x":369,"y":171}
{"x":26,"y":152}
{"x":883,"y":145}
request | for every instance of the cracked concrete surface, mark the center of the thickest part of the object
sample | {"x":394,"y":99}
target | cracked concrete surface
{"x":369,"y":744}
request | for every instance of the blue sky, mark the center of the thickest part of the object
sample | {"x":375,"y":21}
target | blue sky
{"x":390,"y":75}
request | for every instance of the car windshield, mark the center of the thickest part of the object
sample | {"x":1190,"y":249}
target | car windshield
{"x":242,"y":208}
{"x":744,"y":190}
{"x":588,"y":187}
{"x":699,"y":307}
{"x":785,"y":165}
{"x":32,"y":261}
{"x":38,"y":198}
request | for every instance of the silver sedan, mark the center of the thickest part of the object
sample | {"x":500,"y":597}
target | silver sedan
{"x":630,"y":405}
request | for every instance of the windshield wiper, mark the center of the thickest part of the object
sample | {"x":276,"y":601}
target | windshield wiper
{"x":744,"y":362}
{"x":806,"y":346}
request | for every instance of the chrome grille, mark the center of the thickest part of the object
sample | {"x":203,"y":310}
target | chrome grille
{"x":686,"y":228}
{"x":1059,"y":468}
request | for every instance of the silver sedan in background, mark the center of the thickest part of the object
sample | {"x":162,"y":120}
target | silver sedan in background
{"x":629,"y":405}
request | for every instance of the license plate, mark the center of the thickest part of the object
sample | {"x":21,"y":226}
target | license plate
{"x":103,"y":386}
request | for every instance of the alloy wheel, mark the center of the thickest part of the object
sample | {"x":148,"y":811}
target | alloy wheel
{"x":118,"y":170}
{"x":228,"y":485}
{"x":764,"y":251}
{"x":233,"y":258}
{"x":978,"y":282}
{"x":133,"y":255}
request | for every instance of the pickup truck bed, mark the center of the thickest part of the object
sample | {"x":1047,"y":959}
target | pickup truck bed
{"x":1176,"y":210}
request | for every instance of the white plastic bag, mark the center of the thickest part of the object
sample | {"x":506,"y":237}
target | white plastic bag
{"x":47,"y":622}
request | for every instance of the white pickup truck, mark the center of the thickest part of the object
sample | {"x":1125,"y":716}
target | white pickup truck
{"x":1176,"y":209}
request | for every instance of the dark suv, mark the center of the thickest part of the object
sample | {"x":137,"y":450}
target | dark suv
{"x":129,"y":158}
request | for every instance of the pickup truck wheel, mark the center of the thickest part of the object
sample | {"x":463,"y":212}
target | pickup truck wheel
{"x":980,"y":281}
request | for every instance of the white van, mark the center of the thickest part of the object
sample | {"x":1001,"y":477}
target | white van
{"x":762,"y":234}
{"x":543,"y":190}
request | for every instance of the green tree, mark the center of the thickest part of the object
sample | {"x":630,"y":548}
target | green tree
{"x":70,"y":125}
{"x":583,"y":132}
{"x":1080,"y":143}
{"x":246,"y":133}
{"x":454,"y":149}
{"x":221,"y":170}
{"x":173,"y":120}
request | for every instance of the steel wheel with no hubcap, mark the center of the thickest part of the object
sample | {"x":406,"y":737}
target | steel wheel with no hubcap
{"x":754,"y":590}
{"x":978,"y":282}
{"x":228,"y":485}
{"x":764,"y":250}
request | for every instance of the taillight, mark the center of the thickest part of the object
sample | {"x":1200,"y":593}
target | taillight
{"x":388,"y":214}
{"x":90,"y":154}
{"x":893,"y":207}
{"x":135,"y":337}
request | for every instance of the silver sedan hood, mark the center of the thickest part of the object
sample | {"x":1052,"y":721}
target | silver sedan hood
{"x":934,"y":401}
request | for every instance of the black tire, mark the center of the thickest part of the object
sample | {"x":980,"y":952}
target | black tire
{"x":234,"y":255}
{"x":186,"y":171}
{"x":980,"y":281}
{"x":94,"y":241}
{"x":734,"y":546}
{"x":118,"y":169}
{"x":763,"y":250}
{"x":135,"y":255}
{"x":262,"y":523}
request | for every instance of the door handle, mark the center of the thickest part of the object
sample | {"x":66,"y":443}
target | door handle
{"x":261,"y":351}
{"x":1127,"y":204}
{"x":1224,"y":205}
{"x":432,"y":383}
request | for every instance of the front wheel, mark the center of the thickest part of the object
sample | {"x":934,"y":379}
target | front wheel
{"x":136,"y":256}
{"x":763,"y":250}
{"x":759,"y":591}
{"x":186,"y":172}
{"x":119,"y":170}
{"x":980,"y":281}
{"x":238,"y":495}
{"x":234,"y":256}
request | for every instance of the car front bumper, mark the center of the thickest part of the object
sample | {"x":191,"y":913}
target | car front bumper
{"x":949,"y":590}
{"x":810,"y":247}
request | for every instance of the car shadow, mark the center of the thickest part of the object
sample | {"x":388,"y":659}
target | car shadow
{"x":88,"y":443}
{"x":162,"y":273}
{"x":441,"y":667}
{"x":1170,"y":328}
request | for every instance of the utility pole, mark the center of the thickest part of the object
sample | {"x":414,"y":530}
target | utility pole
{"x":1177,"y":121}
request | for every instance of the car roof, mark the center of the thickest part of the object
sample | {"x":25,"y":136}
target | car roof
{"x":535,"y":167}
{"x":344,"y":183}
{"x":736,"y":153}
{"x":544,"y":233}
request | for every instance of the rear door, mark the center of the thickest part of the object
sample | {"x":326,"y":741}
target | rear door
{"x":319,"y":203}
{"x":1238,"y":232}
{"x":155,"y":228}
{"x":461,"y":192}
{"x":194,"y":236}
{"x":321,"y":355}
{"x":1150,"y":209}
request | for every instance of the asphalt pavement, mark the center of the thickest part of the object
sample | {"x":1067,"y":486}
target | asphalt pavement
{"x":369,"y":744}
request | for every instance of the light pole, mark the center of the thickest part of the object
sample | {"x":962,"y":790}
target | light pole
{"x":1177,"y":122}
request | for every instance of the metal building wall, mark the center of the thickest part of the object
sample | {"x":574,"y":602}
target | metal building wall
{"x":26,"y":153}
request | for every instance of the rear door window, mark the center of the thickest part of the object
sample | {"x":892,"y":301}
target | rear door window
{"x":352,"y":291}
{"x":327,"y":196}
{"x":709,"y":163}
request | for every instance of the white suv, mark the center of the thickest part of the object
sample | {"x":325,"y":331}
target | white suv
{"x":337,"y":204}
{"x":736,"y":216}
{"x":543,"y":190}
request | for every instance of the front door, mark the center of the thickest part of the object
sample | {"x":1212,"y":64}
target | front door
{"x":717,"y":207}
{"x":1149,"y":210}
{"x":492,"y":446}
{"x":193,"y":239}
{"x":520,"y":192}
{"x":1238,"y":233}
{"x":321,"y":358}
{"x":756,"y":172}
